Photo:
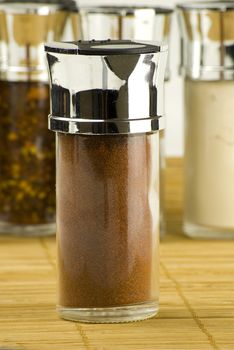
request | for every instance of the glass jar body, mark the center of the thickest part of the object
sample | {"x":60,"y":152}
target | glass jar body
{"x":209,"y":159}
{"x":108,"y":227}
{"x":27,"y":160}
{"x":163,"y":221}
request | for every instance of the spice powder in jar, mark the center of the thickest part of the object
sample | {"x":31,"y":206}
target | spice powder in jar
{"x":108,"y":249}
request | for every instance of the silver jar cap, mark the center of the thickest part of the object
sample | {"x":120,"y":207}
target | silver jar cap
{"x":106,"y":87}
{"x":37,"y":6}
{"x":207,"y":39}
{"x":125,"y":10}
{"x":24,"y":27}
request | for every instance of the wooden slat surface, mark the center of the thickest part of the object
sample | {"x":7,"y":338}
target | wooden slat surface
{"x":197,"y":294}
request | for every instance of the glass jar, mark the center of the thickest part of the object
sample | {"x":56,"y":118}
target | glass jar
{"x":208,"y":66}
{"x":27,"y":149}
{"x":106,"y":109}
{"x":134,"y":23}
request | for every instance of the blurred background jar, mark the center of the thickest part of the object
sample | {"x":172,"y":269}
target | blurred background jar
{"x":207,"y":36}
{"x":27,"y":149}
{"x":134,"y":23}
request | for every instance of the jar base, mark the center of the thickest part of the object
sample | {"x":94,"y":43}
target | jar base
{"x":128,"y":313}
{"x":27,"y":230}
{"x":202,"y":232}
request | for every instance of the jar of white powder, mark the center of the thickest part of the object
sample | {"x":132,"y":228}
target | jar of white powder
{"x":207,"y":37}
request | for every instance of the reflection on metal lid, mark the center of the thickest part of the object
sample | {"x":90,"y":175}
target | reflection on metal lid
{"x":115,"y":46}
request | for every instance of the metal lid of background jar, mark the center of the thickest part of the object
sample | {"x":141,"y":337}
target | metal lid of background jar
{"x":127,"y":9}
{"x":37,"y":7}
{"x":24,"y":27}
{"x":122,"y":22}
{"x":207,"y":38}
{"x":127,"y":23}
{"x":106,"y":87}
{"x":207,"y":5}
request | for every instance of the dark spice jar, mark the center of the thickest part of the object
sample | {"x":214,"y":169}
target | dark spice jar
{"x":27,"y":149}
{"x":107,"y":110}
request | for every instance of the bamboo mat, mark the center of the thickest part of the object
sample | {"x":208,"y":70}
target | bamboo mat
{"x":197,"y":294}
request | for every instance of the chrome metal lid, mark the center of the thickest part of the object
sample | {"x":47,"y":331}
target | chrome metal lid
{"x":32,"y":6}
{"x":127,"y":9}
{"x":207,"y":38}
{"x":105,"y":47}
{"x":106,"y":87}
{"x":207,"y":5}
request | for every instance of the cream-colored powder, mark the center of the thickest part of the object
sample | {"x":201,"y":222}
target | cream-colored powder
{"x":209,"y":160}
